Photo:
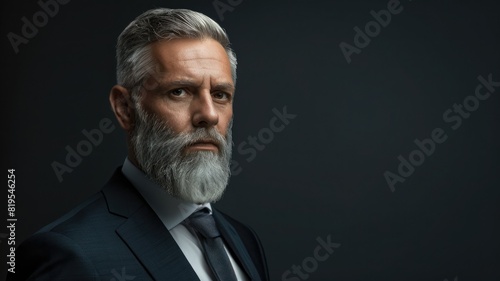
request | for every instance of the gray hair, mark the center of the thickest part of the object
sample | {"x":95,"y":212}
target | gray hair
{"x":132,"y":50}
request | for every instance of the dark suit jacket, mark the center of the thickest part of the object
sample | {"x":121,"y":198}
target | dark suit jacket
{"x":116,"y":236}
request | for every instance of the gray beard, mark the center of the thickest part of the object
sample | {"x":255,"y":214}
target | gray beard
{"x":197,"y":177}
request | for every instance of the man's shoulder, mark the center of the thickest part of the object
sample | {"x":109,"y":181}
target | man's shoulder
{"x":88,"y":215}
{"x":61,"y":242}
{"x":100,"y":213}
{"x":80,"y":243}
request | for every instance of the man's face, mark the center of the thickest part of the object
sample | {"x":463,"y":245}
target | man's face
{"x":182,"y":132}
{"x":192,"y":87}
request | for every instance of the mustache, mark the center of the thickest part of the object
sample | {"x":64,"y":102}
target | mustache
{"x":204,"y":135}
{"x":157,"y":137}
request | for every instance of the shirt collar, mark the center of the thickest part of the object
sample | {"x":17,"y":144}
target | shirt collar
{"x":169,"y":209}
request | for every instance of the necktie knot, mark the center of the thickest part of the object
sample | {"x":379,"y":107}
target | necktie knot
{"x":202,"y":222}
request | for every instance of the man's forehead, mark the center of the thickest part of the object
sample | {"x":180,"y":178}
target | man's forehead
{"x":179,"y":59}
{"x":191,"y":65}
{"x":190,"y":57}
{"x":188,"y":49}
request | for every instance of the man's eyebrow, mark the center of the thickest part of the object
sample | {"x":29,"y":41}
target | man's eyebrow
{"x":229,"y":87}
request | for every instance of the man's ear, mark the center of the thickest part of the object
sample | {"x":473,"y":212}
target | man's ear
{"x":123,"y":106}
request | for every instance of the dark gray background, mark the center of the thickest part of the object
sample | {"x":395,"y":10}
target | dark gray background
{"x":323,"y":174}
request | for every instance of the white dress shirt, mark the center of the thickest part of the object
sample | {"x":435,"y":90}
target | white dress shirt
{"x":172,"y":211}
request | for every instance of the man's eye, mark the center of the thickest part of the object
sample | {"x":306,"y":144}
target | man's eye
{"x":178,"y":92}
{"x":221,"y":96}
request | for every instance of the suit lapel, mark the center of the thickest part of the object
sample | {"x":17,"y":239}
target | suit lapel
{"x":145,"y":234}
{"x":154,"y":247}
{"x":232,"y":239}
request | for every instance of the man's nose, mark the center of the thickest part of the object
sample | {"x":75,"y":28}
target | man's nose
{"x":204,"y":111}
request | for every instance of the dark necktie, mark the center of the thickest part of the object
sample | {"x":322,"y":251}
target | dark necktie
{"x":213,"y":248}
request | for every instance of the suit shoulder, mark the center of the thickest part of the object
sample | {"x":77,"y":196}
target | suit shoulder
{"x":88,"y":225}
{"x":52,"y":256}
{"x":94,"y":214}
{"x":82,"y":216}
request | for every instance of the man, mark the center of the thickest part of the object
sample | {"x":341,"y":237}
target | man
{"x":153,"y":220}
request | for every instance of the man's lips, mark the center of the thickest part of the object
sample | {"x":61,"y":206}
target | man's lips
{"x":203,"y":145}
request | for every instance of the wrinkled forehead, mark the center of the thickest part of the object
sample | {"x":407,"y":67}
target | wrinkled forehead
{"x":190,"y":56}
